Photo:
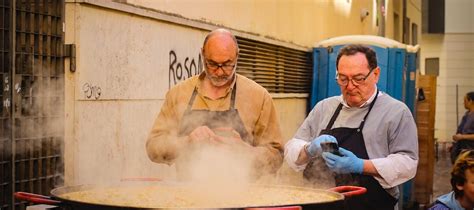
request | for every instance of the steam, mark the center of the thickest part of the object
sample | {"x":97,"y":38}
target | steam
{"x":38,"y":109}
{"x":217,"y":171}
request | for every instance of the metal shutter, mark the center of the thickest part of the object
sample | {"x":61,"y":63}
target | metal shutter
{"x":278,"y":69}
{"x":32,"y":81}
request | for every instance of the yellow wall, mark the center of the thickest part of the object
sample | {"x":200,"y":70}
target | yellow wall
{"x":414,"y":13}
{"x":302,"y":22}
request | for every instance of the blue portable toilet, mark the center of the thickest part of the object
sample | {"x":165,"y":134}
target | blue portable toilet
{"x":410,"y":75}
{"x":396,"y":60}
{"x":398,"y":66}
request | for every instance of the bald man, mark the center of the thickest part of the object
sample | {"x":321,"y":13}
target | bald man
{"x":219,"y":108}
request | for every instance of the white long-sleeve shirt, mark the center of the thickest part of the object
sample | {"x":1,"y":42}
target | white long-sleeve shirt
{"x":389,"y":132}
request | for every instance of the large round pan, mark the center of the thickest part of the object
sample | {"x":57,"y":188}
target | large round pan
{"x":321,"y":199}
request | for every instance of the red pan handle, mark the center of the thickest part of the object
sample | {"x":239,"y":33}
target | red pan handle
{"x":35,"y":198}
{"x":349,"y":191}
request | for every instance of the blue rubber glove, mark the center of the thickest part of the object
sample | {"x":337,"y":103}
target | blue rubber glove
{"x":314,"y":147}
{"x":348,"y":163}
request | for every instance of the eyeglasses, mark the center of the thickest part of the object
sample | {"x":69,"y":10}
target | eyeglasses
{"x":356,"y":80}
{"x":214,"y":66}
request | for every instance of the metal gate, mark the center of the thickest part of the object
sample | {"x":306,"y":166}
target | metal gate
{"x":32,"y":98}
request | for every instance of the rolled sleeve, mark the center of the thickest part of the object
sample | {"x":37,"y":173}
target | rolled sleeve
{"x":395,"y":169}
{"x":292,"y":151}
{"x":268,"y":139}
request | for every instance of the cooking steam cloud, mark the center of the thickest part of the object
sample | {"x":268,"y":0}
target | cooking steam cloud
{"x":217,"y":171}
{"x":39,"y":128}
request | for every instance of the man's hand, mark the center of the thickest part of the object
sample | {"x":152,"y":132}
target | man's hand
{"x":314,"y":147}
{"x":201,"y":134}
{"x":457,"y":137}
{"x":228,"y":136}
{"x":348,"y":163}
{"x":217,"y":136}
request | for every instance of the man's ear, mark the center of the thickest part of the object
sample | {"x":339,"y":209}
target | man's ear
{"x":377,"y":73}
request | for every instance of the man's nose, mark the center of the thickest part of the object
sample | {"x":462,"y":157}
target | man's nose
{"x":219,"y":71}
{"x":350,"y":85}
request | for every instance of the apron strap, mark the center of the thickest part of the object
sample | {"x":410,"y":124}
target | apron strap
{"x":334,"y":117}
{"x":191,"y":101}
{"x":361,"y":126}
{"x":338,"y":110}
{"x":232,"y":97}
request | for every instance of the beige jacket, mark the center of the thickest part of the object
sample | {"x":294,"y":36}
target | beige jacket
{"x":255,"y":107}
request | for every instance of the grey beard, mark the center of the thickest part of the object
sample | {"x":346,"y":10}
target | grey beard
{"x":219,"y":80}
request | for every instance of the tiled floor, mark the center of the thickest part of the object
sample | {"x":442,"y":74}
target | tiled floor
{"x":441,"y":177}
{"x":442,"y":172}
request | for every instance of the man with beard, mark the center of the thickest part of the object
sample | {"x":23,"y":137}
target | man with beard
{"x":219,"y":108}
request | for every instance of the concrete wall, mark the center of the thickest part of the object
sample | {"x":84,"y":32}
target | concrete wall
{"x":127,"y":57}
{"x":455,"y":50}
{"x":123,"y":72}
{"x":455,"y":53}
{"x":459,"y":16}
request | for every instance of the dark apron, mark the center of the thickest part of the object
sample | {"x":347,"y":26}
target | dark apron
{"x":213,"y":119}
{"x":352,"y":139}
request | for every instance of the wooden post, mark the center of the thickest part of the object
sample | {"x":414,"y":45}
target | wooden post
{"x":425,"y":121}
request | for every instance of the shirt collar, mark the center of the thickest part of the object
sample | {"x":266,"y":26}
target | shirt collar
{"x":372,"y":97}
{"x":450,"y":201}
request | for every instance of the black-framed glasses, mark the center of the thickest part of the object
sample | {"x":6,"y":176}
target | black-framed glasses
{"x":356,"y":80}
{"x":214,"y":66}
